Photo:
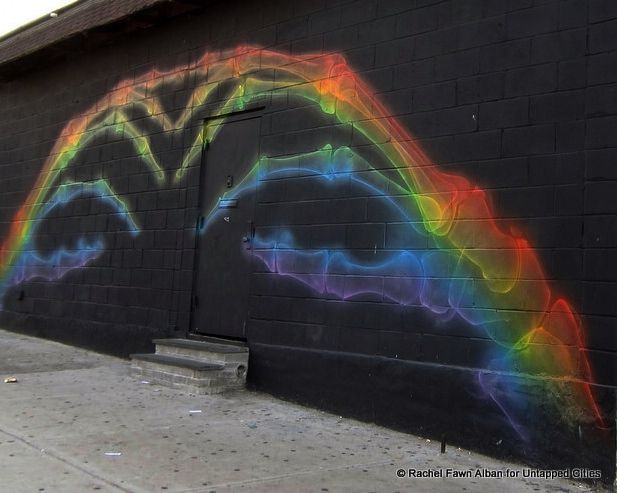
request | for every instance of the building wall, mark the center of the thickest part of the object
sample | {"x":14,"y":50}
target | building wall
{"x":434,"y":226}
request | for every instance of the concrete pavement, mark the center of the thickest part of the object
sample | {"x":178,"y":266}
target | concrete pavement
{"x":76,"y":422}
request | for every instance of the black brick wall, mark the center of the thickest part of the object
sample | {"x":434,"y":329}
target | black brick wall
{"x":518,"y":96}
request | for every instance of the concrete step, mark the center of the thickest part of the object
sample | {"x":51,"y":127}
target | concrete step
{"x":180,"y":366}
{"x":198,"y":367}
{"x":210,"y":385}
{"x":228,"y":355}
{"x":216,"y":340}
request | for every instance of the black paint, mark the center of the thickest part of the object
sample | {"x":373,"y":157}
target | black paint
{"x":519,"y":97}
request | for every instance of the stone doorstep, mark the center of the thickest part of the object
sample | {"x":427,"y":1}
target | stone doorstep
{"x":215,"y":340}
{"x":203,"y":352}
{"x":202,"y":345}
{"x":198,"y":372}
{"x":178,"y":365}
{"x":181,"y":382}
{"x":198,"y":378}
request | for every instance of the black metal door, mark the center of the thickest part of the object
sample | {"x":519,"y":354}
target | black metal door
{"x":225,"y":229}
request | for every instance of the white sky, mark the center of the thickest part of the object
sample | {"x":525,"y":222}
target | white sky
{"x":15,"y":13}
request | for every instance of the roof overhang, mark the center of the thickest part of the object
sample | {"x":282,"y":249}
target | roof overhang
{"x":83,"y":26}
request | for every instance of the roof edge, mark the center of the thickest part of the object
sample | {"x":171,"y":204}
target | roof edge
{"x":39,"y":20}
{"x":47,"y":37}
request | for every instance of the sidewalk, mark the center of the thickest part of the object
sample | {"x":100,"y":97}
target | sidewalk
{"x":76,"y":422}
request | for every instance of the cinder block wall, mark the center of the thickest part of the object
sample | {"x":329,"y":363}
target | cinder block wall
{"x":444,"y":235}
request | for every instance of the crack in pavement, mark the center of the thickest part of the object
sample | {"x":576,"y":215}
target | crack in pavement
{"x":57,"y":456}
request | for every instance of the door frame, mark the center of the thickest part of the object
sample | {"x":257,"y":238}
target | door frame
{"x":234,"y":116}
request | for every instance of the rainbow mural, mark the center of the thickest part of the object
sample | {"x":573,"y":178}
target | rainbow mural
{"x":471,"y":268}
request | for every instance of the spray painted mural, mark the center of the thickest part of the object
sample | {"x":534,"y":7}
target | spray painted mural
{"x":466,"y":266}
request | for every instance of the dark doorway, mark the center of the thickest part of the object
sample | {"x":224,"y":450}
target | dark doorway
{"x":225,"y":228}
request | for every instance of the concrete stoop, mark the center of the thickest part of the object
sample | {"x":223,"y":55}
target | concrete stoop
{"x":199,"y":367}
